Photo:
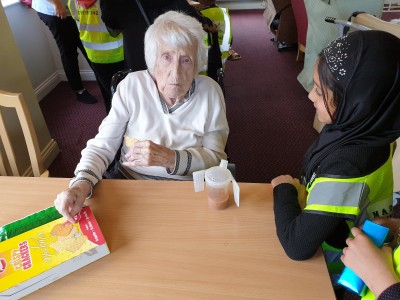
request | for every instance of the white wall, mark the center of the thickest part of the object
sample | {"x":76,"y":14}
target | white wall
{"x":39,"y":50}
{"x":14,"y":78}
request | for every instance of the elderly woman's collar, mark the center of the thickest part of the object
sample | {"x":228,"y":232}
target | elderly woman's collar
{"x":190,"y":92}
{"x":174,"y":107}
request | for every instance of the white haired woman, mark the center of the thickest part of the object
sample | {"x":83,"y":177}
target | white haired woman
{"x":172,"y":119}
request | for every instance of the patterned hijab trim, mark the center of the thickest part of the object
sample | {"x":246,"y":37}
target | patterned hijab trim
{"x":337,"y":57}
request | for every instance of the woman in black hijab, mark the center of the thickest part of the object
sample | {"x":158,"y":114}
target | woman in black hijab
{"x":127,"y":17}
{"x":347,"y":171}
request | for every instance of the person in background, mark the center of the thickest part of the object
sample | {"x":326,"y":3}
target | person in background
{"x":125,"y":16}
{"x":220,"y":16}
{"x":56,"y":16}
{"x":172,"y":120}
{"x":347,"y":172}
{"x":378,"y":268}
{"x":105,"y":52}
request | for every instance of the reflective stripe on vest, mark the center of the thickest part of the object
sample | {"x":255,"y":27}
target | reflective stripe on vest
{"x":220,"y":16}
{"x":354,"y":199}
{"x":337,"y":197}
{"x":100,"y":46}
{"x":358,"y":198}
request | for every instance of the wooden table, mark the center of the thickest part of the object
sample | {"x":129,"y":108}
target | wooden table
{"x":166,"y":243}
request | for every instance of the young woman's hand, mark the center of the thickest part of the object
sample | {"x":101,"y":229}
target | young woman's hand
{"x":373,"y":265}
{"x":301,"y":189}
{"x":282,"y":179}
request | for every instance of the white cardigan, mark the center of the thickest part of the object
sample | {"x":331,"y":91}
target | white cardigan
{"x":197,"y":130}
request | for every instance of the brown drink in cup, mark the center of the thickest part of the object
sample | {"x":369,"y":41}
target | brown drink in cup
{"x":218,"y":180}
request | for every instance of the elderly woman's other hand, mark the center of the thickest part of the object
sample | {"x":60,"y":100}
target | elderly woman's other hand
{"x":148,"y":153}
{"x":69,"y":203}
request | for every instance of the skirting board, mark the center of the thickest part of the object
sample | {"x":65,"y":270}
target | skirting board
{"x":49,"y":154}
{"x":47,"y":86}
{"x":52,"y":81}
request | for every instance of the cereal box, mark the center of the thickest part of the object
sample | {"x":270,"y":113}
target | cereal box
{"x":38,"y":256}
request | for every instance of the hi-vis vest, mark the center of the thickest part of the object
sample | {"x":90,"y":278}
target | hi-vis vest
{"x":220,"y":16}
{"x":100,"y":46}
{"x":356,"y":199}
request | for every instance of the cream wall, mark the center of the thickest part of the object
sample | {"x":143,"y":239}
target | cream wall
{"x":14,"y":78}
{"x":39,"y":50}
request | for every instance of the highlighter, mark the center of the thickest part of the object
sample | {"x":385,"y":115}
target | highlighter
{"x":377,"y":234}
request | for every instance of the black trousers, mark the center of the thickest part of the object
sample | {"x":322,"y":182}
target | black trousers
{"x":104,"y":73}
{"x":66,"y":35}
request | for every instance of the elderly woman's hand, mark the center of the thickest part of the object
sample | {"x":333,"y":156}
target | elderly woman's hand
{"x":69,"y":203}
{"x":147,"y":153}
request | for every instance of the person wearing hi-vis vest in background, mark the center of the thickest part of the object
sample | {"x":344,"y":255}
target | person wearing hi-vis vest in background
{"x":347,"y":175}
{"x":56,"y":16}
{"x":105,"y":52}
{"x":220,"y":16}
{"x":132,"y":18}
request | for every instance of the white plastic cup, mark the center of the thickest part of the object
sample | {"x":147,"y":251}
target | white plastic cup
{"x":217,"y":182}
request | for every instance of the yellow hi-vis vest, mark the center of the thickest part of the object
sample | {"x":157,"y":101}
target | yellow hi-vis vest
{"x":356,"y":199}
{"x":220,"y":16}
{"x":100,"y":46}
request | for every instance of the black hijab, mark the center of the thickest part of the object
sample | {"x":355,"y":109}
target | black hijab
{"x":366,"y":65}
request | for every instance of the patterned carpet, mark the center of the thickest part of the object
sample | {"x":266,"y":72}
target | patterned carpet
{"x":269,"y":114}
{"x":71,"y":124}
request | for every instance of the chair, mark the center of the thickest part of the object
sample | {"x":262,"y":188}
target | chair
{"x":8,"y":162}
{"x":280,"y":20}
{"x":300,"y":16}
{"x":117,"y":78}
{"x":372,"y":22}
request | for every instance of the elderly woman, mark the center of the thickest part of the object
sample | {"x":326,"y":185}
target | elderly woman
{"x":171,"y":119}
